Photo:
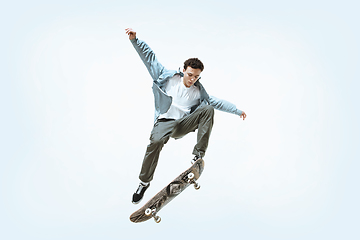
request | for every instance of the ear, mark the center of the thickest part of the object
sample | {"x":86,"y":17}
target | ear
{"x":184,"y":70}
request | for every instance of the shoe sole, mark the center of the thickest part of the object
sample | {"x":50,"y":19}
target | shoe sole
{"x":136,"y":202}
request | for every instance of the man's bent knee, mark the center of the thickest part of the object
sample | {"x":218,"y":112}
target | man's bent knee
{"x":209,"y":110}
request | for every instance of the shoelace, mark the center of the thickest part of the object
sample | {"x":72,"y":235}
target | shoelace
{"x":140,"y":188}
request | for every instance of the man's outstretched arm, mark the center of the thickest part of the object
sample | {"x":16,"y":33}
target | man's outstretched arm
{"x":146,"y":54}
{"x":226,"y":106}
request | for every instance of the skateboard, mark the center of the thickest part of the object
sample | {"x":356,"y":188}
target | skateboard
{"x":168,"y":193}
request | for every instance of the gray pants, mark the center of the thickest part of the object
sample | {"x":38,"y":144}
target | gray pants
{"x":202,"y":119}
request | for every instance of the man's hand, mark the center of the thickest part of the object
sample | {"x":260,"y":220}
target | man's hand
{"x":131,"y":33}
{"x":243,"y":115}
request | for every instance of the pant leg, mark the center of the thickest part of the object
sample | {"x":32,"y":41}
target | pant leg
{"x":160,"y":135}
{"x":203,"y":120}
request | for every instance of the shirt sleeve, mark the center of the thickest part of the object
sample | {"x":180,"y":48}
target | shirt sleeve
{"x":224,"y":105}
{"x":149,"y":58}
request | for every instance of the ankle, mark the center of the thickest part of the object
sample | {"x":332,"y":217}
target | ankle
{"x":144,"y":183}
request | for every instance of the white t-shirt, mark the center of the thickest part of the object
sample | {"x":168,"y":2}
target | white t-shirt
{"x":183,"y":98}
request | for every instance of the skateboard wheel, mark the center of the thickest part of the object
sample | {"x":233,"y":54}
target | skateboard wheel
{"x":191,"y":176}
{"x":148,"y":212}
{"x":197,"y":186}
{"x":157,"y":219}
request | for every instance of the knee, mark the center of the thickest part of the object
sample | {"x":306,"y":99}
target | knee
{"x":157,"y":142}
{"x":209,"y":110}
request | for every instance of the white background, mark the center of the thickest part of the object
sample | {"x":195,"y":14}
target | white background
{"x":77,"y":111}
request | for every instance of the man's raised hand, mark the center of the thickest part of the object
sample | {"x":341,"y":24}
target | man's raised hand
{"x":131,"y":33}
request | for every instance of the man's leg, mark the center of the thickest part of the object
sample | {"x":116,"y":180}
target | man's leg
{"x":203,"y":120}
{"x":159,"y":137}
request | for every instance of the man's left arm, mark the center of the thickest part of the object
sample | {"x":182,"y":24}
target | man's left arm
{"x":225,"y":106}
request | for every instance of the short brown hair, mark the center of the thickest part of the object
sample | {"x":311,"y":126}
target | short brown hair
{"x":194,"y":63}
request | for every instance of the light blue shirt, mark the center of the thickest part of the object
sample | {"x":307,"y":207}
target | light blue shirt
{"x":161,"y":76}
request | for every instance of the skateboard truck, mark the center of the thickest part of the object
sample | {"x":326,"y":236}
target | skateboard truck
{"x":152,"y":212}
{"x":191,"y":180}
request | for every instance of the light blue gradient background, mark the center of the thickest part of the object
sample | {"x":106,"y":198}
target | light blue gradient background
{"x":77,"y":111}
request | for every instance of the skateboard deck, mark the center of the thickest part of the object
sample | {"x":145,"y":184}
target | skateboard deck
{"x":168,"y":193}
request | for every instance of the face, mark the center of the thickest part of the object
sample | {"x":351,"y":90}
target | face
{"x":191,"y":75}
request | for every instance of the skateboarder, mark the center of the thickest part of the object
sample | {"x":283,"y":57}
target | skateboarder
{"x":181,"y":106}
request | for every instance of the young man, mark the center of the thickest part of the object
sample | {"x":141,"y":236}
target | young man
{"x":181,"y":106}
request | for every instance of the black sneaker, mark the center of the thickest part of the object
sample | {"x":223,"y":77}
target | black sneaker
{"x":195,"y":159}
{"x":138,"y":195}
